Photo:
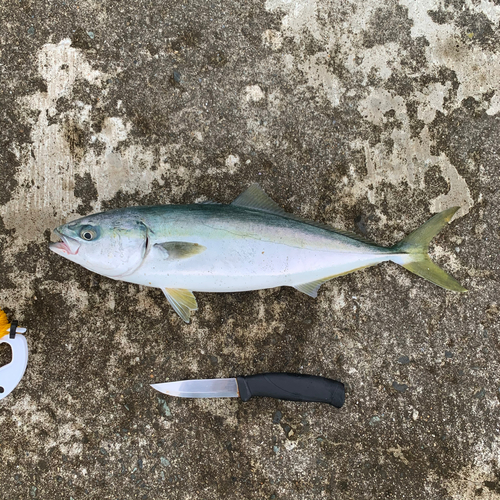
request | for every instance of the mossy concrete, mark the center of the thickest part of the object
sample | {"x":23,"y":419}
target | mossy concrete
{"x":366,"y":115}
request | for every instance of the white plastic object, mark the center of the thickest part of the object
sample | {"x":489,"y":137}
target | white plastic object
{"x":12,"y":373}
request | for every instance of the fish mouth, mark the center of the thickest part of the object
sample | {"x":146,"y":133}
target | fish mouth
{"x":67,"y":245}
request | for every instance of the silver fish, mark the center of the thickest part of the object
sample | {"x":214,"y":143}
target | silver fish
{"x":250,"y":244}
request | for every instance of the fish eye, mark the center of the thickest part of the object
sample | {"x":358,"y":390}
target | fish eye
{"x":88,"y":234}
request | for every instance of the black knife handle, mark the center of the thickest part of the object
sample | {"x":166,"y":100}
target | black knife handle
{"x":293,"y":387}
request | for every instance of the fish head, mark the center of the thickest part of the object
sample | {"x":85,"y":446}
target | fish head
{"x":111,"y":244}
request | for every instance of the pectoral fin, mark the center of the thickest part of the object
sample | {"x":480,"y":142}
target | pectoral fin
{"x":181,"y":249}
{"x":182,"y":300}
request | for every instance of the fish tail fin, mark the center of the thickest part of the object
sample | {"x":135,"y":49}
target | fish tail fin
{"x":416,"y":245}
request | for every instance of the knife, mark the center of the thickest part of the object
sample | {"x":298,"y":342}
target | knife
{"x":289,"y":386}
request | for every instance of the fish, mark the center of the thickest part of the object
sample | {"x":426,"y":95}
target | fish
{"x":250,"y":244}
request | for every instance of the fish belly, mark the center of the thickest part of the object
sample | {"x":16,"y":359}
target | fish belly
{"x":242,"y":265}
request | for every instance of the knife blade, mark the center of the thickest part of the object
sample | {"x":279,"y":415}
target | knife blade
{"x":288,"y":386}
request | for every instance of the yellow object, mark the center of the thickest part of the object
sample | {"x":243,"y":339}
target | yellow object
{"x":4,"y":323}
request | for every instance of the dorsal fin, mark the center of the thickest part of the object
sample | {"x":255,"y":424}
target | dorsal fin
{"x":254,"y":197}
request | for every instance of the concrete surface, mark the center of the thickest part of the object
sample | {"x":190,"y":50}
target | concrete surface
{"x":367,"y":115}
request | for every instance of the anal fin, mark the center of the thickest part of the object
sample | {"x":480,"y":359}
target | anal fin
{"x":183,"y":301}
{"x":311,"y":288}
